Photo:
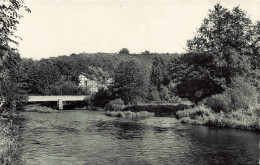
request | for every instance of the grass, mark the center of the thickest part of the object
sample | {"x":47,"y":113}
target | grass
{"x":239,"y":119}
{"x":161,"y":109}
{"x":11,"y":146}
{"x":38,"y":108}
{"x":129,"y":114}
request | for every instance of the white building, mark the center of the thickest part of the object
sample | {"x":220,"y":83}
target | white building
{"x":86,"y":82}
{"x":92,"y":85}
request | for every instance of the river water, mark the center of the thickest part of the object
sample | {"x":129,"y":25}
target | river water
{"x":90,"y":137}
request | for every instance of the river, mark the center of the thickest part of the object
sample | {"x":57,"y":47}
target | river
{"x":75,"y":137}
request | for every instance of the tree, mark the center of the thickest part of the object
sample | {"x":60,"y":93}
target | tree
{"x":220,"y":51}
{"x":146,"y":52}
{"x":9,"y":17}
{"x":131,"y":81}
{"x":102,"y":97}
{"x":225,"y":39}
{"x":159,"y":75}
{"x":9,"y":56}
{"x":124,"y":51}
{"x":97,"y":74}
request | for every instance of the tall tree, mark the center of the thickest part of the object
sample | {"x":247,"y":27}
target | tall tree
{"x":221,"y":50}
{"x":225,"y":38}
{"x":159,"y":75}
{"x":131,"y":81}
{"x":9,"y":57}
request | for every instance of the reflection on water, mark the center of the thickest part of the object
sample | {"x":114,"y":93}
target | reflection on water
{"x":89,"y":137}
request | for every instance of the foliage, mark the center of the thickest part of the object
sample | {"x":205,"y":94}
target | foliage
{"x":164,"y":93}
{"x":222,"y":31}
{"x":146,"y":52}
{"x":9,"y":57}
{"x":221,"y":50}
{"x":205,"y":116}
{"x":129,"y":114}
{"x":115,"y":105}
{"x":65,"y":88}
{"x":124,"y":51}
{"x":239,"y":95}
{"x":97,"y":74}
{"x":39,"y":109}
{"x":194,"y":113}
{"x":38,"y":75}
{"x":9,"y":12}
{"x":131,"y":81}
{"x":154,"y":96}
{"x":192,"y":79}
{"x":159,"y":74}
{"x":12,"y":151}
{"x":164,"y":109}
{"x":102,"y":97}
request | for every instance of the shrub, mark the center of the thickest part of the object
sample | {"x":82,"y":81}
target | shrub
{"x":12,"y":150}
{"x":164,"y":93}
{"x":176,"y":100}
{"x":239,"y":95}
{"x":101,"y":98}
{"x":115,"y":105}
{"x":219,"y":102}
{"x":239,"y":119}
{"x":129,"y":114}
{"x":193,"y":113}
{"x":154,"y":96}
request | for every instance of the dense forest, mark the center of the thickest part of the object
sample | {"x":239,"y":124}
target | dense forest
{"x":48,"y":76}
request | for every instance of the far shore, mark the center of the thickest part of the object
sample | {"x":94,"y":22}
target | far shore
{"x":39,"y":108}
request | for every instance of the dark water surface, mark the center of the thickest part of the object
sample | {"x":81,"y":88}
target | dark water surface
{"x":90,"y":137}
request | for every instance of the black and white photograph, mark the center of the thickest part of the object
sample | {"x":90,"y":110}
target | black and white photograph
{"x":129,"y":82}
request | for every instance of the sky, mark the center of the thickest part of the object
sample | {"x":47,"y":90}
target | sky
{"x":63,"y":27}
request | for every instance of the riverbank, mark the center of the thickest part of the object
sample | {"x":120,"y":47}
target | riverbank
{"x":39,"y":108}
{"x":201,"y":115}
{"x":129,"y":114}
{"x":10,"y":146}
{"x":158,"y":109}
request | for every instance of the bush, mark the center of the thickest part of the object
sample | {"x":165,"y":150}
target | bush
{"x":164,"y":93}
{"x":101,"y":98}
{"x":159,"y":109}
{"x":12,"y":150}
{"x":219,"y":102}
{"x":115,"y":105}
{"x":239,"y":95}
{"x":39,"y":108}
{"x":129,"y":114}
{"x":194,"y":113}
{"x":176,"y":100}
{"x":154,"y":96}
{"x":205,"y":116}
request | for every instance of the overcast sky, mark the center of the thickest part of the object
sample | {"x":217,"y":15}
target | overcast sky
{"x":62,"y":27}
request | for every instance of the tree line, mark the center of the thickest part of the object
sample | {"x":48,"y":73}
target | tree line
{"x":224,"y":50}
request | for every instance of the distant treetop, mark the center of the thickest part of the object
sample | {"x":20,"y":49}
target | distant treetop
{"x":124,"y":51}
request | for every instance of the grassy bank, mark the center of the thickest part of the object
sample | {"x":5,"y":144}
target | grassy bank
{"x":158,"y":109}
{"x":10,"y":146}
{"x":239,"y":119}
{"x":129,"y":114}
{"x":39,"y":108}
